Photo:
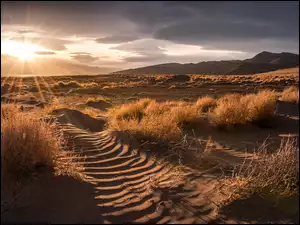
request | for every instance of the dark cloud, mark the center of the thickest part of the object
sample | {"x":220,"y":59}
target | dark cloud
{"x":116,"y":39}
{"x":141,"y":47}
{"x":67,"y":17}
{"x":45,"y":53}
{"x":226,"y":34}
{"x":245,"y":26}
{"x":83,"y":57}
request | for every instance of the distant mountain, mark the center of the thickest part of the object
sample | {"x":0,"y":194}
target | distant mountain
{"x":262,"y":62}
{"x":11,"y":66}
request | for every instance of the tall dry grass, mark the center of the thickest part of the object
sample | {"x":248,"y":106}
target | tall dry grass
{"x":237,"y":109}
{"x":290,"y":94}
{"x":274,"y":173}
{"x":73,"y":84}
{"x":27,"y":142}
{"x":152,"y":119}
{"x":206,"y":103}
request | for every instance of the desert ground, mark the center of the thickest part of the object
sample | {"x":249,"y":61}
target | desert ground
{"x":151,"y":148}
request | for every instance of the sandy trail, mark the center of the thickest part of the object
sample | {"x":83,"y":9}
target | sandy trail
{"x":123,"y":178}
{"x":124,"y":185}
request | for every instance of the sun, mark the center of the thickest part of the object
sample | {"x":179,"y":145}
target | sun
{"x":22,"y":50}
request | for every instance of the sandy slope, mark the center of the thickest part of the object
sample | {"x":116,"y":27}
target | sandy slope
{"x":125,"y":186}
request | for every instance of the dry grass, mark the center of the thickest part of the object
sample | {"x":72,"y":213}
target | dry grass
{"x":26,"y":142}
{"x":154,"y":120}
{"x":131,"y":111}
{"x":73,"y":84}
{"x":290,"y":94}
{"x":273,"y":174}
{"x":204,"y":104}
{"x":100,"y":98}
{"x":236,"y":109}
{"x":168,"y":119}
{"x":279,"y":76}
{"x":70,"y":84}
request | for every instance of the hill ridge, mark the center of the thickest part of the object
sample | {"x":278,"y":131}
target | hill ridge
{"x":262,"y":62}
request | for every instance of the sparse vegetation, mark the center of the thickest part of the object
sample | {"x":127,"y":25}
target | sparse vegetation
{"x":152,"y":119}
{"x":73,"y":84}
{"x":99,"y":98}
{"x":236,"y":109}
{"x":26,"y":142}
{"x":290,"y":94}
{"x":275,"y":173}
{"x":205,"y":104}
{"x":70,"y":84}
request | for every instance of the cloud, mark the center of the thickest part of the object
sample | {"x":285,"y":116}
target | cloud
{"x":237,"y":35}
{"x":78,"y":53}
{"x":83,"y":57}
{"x":116,"y":39}
{"x":26,"y":31}
{"x":54,"y":44}
{"x":44,"y":53}
{"x":142,"y":32}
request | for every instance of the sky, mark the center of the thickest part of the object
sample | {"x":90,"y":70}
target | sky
{"x":122,"y":35}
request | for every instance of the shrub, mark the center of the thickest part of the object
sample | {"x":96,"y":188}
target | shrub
{"x":229,"y":111}
{"x":70,"y":84}
{"x":236,"y":109}
{"x":261,"y":106}
{"x":205,"y":103}
{"x":274,"y":173}
{"x":101,"y":98}
{"x":152,"y":119}
{"x":129,"y":111}
{"x":290,"y":94}
{"x":26,"y":142}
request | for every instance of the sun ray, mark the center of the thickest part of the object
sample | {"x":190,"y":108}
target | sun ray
{"x":36,"y":65}
{"x":49,"y":89}
{"x":22,"y":50}
{"x":39,"y":88}
{"x":19,"y":86}
{"x":11,"y":85}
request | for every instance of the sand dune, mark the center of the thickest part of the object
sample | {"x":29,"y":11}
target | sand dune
{"x":129,"y":185}
{"x":122,"y":177}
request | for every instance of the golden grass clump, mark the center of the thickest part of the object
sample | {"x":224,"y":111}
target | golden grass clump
{"x":101,"y":98}
{"x":129,"y":111}
{"x":204,"y":104}
{"x":261,"y":106}
{"x":290,"y":94}
{"x":70,"y":84}
{"x":26,"y":142}
{"x":230,"y":110}
{"x":154,"y":120}
{"x":236,"y":109}
{"x":274,"y":173}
